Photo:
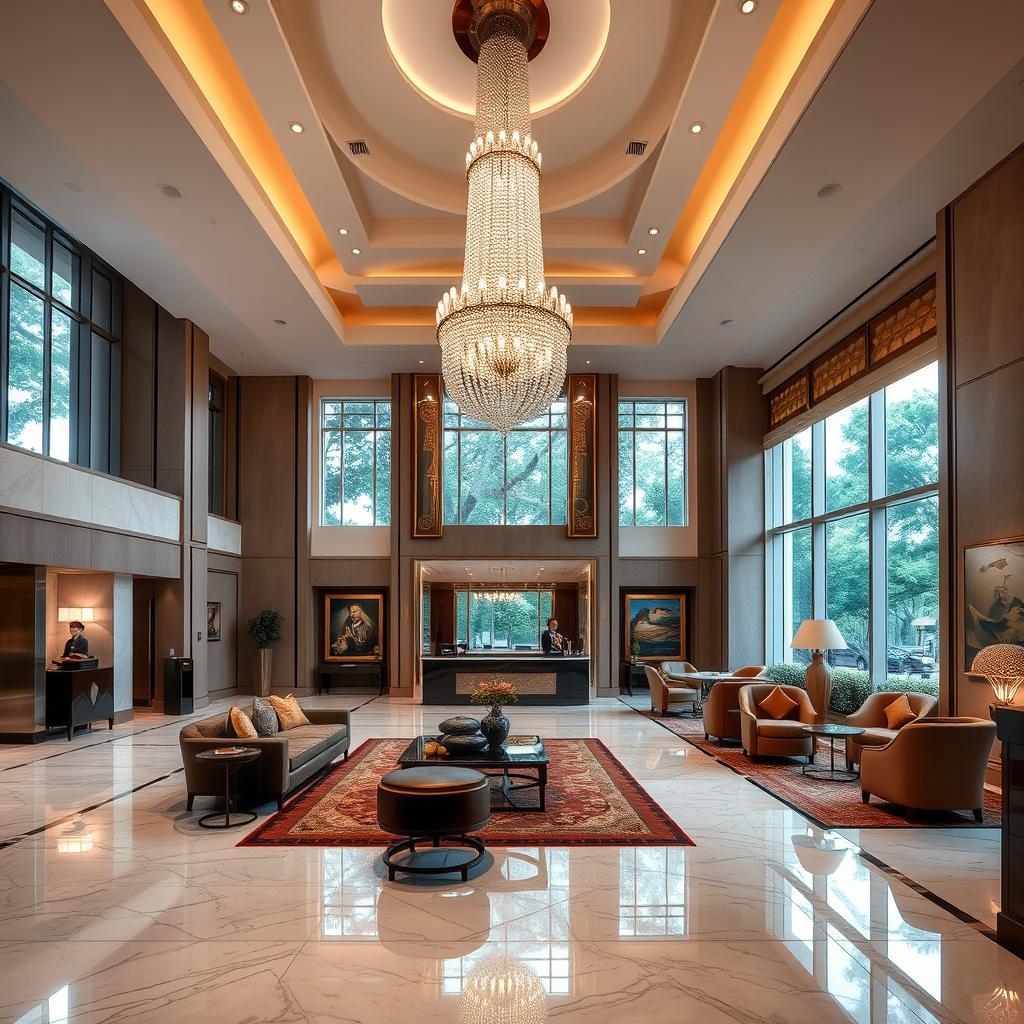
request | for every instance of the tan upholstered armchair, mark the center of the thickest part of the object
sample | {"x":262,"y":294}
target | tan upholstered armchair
{"x":677,"y":669}
{"x":663,"y":694}
{"x":764,"y":736}
{"x":722,"y":709}
{"x":750,"y":671}
{"x":933,"y":764}
{"x":870,"y":716}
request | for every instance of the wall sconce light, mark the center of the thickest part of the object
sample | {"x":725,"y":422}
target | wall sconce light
{"x":75,"y":615}
{"x":1003,"y":666}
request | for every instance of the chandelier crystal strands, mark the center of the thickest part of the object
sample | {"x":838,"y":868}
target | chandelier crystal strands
{"x":503,"y":336}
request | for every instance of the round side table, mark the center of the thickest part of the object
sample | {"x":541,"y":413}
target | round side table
{"x":833,"y":732}
{"x":232,"y":762}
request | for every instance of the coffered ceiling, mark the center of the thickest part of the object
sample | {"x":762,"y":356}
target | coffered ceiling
{"x":901,"y":102}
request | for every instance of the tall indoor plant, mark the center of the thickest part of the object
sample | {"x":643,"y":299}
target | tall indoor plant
{"x":265,"y":631}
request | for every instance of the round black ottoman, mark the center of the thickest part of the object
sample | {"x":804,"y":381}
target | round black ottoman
{"x":433,"y":803}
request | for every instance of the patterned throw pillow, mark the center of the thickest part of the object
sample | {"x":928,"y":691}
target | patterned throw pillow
{"x":289,"y":713}
{"x":242,"y":725}
{"x":777,"y":704}
{"x":264,"y":717}
{"x":899,"y":712}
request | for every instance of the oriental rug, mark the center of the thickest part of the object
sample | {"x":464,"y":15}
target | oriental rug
{"x":826,"y":804}
{"x":591,"y":801}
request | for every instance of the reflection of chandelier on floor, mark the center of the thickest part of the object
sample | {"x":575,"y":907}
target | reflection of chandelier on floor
{"x":503,"y":337}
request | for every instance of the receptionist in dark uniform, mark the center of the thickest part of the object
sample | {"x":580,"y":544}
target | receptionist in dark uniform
{"x":77,"y":644}
{"x":551,"y":641}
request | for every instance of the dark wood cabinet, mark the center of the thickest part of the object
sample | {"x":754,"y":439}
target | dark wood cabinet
{"x":79,"y":698}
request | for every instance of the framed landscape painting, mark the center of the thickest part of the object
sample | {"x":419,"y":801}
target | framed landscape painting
{"x":353,"y":626}
{"x":993,"y":596}
{"x":656,"y":624}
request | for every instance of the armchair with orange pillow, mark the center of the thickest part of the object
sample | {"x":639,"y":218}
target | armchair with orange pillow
{"x":879,"y":728}
{"x":771,"y":726}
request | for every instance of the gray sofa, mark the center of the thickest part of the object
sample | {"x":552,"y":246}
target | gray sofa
{"x":290,"y":757}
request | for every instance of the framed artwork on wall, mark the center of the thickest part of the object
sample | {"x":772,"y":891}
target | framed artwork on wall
{"x":993,"y":596}
{"x":655,"y":626}
{"x":212,"y":620}
{"x":353,"y":626}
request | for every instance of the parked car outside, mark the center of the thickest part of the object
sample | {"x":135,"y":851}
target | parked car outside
{"x":910,"y":661}
{"x":854,"y":656}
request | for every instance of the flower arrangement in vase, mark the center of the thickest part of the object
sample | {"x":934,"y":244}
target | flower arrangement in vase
{"x":496,"y":694}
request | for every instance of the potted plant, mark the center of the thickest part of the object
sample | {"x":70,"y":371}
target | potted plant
{"x":635,"y":649}
{"x":265,"y":631}
{"x":497,"y":694}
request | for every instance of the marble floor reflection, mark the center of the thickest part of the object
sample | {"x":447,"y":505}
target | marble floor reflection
{"x":117,"y":907}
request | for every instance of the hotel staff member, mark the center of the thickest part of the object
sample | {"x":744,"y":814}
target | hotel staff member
{"x":551,"y":641}
{"x":77,"y":644}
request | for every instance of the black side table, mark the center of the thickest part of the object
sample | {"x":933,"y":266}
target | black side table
{"x":832,"y":732}
{"x":232,"y":758}
{"x":635,"y":673}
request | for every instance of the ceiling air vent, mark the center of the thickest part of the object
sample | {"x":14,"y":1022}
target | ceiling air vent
{"x":635,"y":147}
{"x":358,"y":147}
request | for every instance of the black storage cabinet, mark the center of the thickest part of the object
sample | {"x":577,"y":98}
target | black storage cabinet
{"x":178,"y":686}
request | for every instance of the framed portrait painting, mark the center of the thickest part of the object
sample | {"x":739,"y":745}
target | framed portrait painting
{"x":353,"y":626}
{"x":655,"y":626}
{"x":993,"y":596}
{"x":213,"y":620}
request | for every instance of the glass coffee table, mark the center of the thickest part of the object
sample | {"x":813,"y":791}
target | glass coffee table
{"x":521,"y":761}
{"x":833,"y":732}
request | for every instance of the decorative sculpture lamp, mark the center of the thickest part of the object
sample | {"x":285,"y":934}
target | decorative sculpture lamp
{"x":1003,"y":666}
{"x":818,"y":635}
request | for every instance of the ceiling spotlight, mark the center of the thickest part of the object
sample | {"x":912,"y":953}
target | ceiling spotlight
{"x":356,"y":252}
{"x":829,"y":190}
{"x":239,"y":6}
{"x":748,"y":6}
{"x":421,"y":362}
{"x":342,"y":231}
{"x":641,"y":252}
{"x":296,"y":126}
{"x":170,"y":192}
{"x":697,"y":127}
{"x":652,"y":231}
{"x":588,"y":362}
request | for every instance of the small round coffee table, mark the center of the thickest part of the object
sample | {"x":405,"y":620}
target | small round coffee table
{"x":232,"y":761}
{"x":833,"y":732}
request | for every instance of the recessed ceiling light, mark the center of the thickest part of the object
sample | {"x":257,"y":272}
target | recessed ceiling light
{"x":296,"y":126}
{"x":748,"y":6}
{"x":641,"y":252}
{"x":697,"y":127}
{"x":342,"y":231}
{"x":652,"y":231}
{"x":72,"y":186}
{"x":170,"y":191}
{"x":239,"y":6}
{"x":421,"y":362}
{"x":829,"y":190}
{"x":281,"y":323}
{"x":356,"y":252}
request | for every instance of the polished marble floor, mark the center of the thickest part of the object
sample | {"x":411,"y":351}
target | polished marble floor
{"x":117,"y":907}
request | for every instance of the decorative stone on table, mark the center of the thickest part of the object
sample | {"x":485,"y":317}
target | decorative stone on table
{"x":459,"y":725}
{"x":462,"y":743}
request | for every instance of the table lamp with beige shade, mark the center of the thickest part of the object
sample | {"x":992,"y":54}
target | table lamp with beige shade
{"x":818,"y":635}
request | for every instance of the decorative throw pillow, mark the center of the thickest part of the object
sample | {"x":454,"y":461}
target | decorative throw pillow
{"x":289,"y":714}
{"x":777,"y":704}
{"x":899,"y":712}
{"x":242,"y":724}
{"x":264,"y":717}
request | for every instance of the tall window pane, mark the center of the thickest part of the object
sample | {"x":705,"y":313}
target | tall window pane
{"x":796,"y":477}
{"x":912,"y":431}
{"x":846,"y":457}
{"x":28,"y":249}
{"x":355,"y":462}
{"x":797,"y":595}
{"x":99,"y":404}
{"x":65,"y":275}
{"x":60,"y":386}
{"x":847,"y":568}
{"x":25,"y":370}
{"x":912,"y":587}
{"x":652,"y":462}
{"x":502,"y":620}
{"x":519,"y":480}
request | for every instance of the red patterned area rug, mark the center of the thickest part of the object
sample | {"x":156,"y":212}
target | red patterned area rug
{"x":827,"y":804}
{"x":591,"y":801}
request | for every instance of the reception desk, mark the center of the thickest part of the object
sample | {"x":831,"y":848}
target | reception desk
{"x":541,"y":680}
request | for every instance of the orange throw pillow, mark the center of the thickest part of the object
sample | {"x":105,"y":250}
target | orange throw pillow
{"x":242,"y":724}
{"x":777,"y":704}
{"x":899,"y":712}
{"x":289,"y":714}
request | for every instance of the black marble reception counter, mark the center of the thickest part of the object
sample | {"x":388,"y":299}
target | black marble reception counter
{"x":541,"y":680}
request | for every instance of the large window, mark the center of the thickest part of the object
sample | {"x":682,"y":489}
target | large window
{"x":852,"y":531}
{"x":501,"y":620}
{"x":652,"y":462}
{"x":355,"y":460}
{"x":60,"y":321}
{"x":516,"y":480}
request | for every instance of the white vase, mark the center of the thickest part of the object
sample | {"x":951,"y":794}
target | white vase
{"x":263,"y":671}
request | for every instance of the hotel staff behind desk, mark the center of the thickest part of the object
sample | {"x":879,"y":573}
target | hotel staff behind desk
{"x":551,"y":641}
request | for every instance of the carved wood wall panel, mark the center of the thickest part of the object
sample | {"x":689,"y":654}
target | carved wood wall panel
{"x":582,"y":401}
{"x":426,"y":416}
{"x":840,"y":365}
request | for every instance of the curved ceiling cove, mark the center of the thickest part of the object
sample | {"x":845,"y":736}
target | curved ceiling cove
{"x":418,"y":34}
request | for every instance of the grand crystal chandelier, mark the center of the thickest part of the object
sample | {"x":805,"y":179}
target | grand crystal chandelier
{"x":503,"y":336}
